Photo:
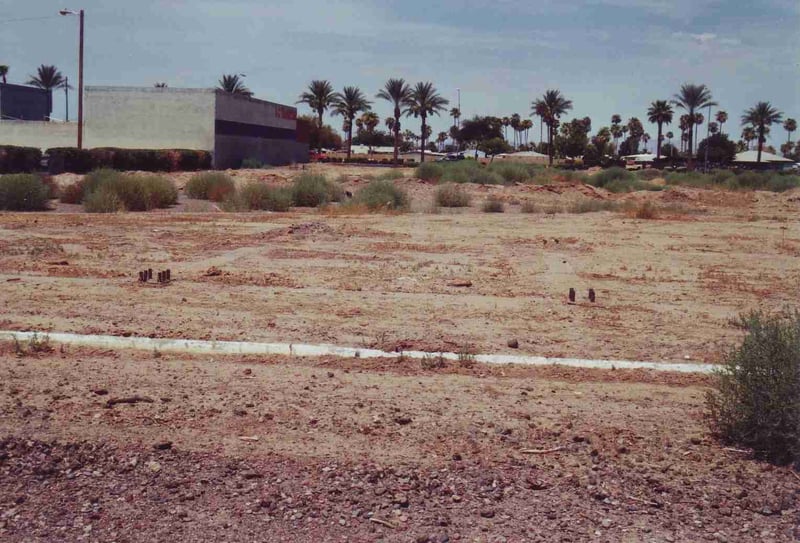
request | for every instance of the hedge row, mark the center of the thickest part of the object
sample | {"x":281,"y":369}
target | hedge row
{"x":364,"y":160}
{"x":15,"y":159}
{"x":71,"y":159}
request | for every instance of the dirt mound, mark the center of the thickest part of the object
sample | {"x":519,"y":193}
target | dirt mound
{"x":572,"y":188}
{"x":306,"y":230}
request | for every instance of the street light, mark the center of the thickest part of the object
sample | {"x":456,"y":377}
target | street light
{"x":66,"y":12}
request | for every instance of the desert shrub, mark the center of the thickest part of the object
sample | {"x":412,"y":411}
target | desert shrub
{"x":630,"y":185}
{"x":134,"y":192}
{"x":604,"y":177}
{"x":391,"y":175}
{"x":781,"y":183}
{"x":312,"y":190}
{"x":645,"y":210}
{"x":590,"y":205}
{"x":382,"y":194}
{"x":649,"y":174}
{"x":23,"y":192}
{"x":72,"y":194}
{"x":485,"y":177}
{"x":257,"y":196}
{"x":452,"y":195}
{"x":36,"y":344}
{"x":429,"y":171}
{"x":690,"y":179}
{"x":572,"y":176}
{"x":528,"y":207}
{"x":14,"y":159}
{"x":512,"y":172}
{"x":755,"y":402}
{"x":720,"y":177}
{"x":254,"y":164}
{"x":493,"y":204}
{"x":103,"y":200}
{"x":71,"y":159}
{"x":213,"y":186}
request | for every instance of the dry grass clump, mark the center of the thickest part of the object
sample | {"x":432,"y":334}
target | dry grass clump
{"x":452,"y":195}
{"x":493,"y":204}
{"x":214,"y":186}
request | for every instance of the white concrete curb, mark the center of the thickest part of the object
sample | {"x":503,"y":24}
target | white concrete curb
{"x":304,"y":350}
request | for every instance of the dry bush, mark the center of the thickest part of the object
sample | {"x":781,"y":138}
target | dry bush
{"x":528,"y":207}
{"x":493,"y":204}
{"x":452,"y":195}
{"x":645,"y":211}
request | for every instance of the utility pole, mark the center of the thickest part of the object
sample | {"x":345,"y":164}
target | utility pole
{"x":708,"y":131}
{"x":66,"y":96}
{"x":80,"y":14}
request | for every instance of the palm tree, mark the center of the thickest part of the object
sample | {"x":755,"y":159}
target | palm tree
{"x":551,"y":106}
{"x":693,"y":98}
{"x":234,"y":84}
{"x":645,"y":139}
{"x":319,"y":97}
{"x":4,"y":72}
{"x":349,"y":104}
{"x":440,"y":139}
{"x":398,"y":93}
{"x":424,"y":101}
{"x":506,"y":122}
{"x":660,"y":112}
{"x":713,"y":127}
{"x":790,"y":125}
{"x":515,"y":120}
{"x":389,"y":122}
{"x":48,"y":78}
{"x":455,"y":113}
{"x":698,"y":120}
{"x":761,"y":116}
{"x":526,"y":125}
{"x":722,"y":118}
{"x":670,"y":135}
{"x":748,"y":135}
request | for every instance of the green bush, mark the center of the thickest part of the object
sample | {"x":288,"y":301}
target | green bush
{"x":630,"y":185}
{"x":23,"y":192}
{"x":429,"y":171}
{"x":15,"y":159}
{"x":756,"y":398}
{"x":103,"y":200}
{"x":391,"y":175}
{"x":493,"y":204}
{"x":313,"y":190}
{"x":485,"y":177}
{"x":514,"y":172}
{"x":649,"y":174}
{"x":528,"y":206}
{"x":257,"y":196}
{"x":213,"y":186}
{"x":72,"y":194}
{"x":452,"y":195}
{"x":590,"y":205}
{"x":131,"y":192}
{"x":254,"y":164}
{"x":605,"y":177}
{"x":382,"y":194}
{"x":71,"y":159}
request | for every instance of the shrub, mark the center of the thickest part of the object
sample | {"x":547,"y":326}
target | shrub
{"x":103,"y":200}
{"x":71,"y":159}
{"x":14,"y":159}
{"x":605,"y":177}
{"x":391,"y":175}
{"x":493,"y":204}
{"x":23,"y":192}
{"x":512,"y":172}
{"x":646,"y":210}
{"x":72,"y":194}
{"x":630,"y":185}
{"x":649,"y":174}
{"x":756,"y":398}
{"x":257,"y":196}
{"x":528,"y":207}
{"x":485,"y":177}
{"x":313,"y":190}
{"x":429,"y":171}
{"x":590,"y":205}
{"x":451,"y":195}
{"x":382,"y":194}
{"x":213,"y":186}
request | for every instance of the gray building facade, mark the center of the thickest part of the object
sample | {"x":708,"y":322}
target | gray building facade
{"x":23,"y":103}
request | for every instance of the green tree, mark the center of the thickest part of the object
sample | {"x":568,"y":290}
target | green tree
{"x":721,"y":150}
{"x":635,"y":132}
{"x":761,"y":116}
{"x":455,"y":113}
{"x":319,"y":97}
{"x":349,"y":104}
{"x":692,"y":98}
{"x":318,"y":138}
{"x":494,"y":146}
{"x":572,"y":139}
{"x":601,"y":140}
{"x":233,"y":84}
{"x":790,"y":125}
{"x":48,"y":78}
{"x":478,"y":130}
{"x":551,"y":106}
{"x":425,"y":100}
{"x":748,"y":135}
{"x":660,"y":112}
{"x":398,"y":93}
{"x":4,"y":72}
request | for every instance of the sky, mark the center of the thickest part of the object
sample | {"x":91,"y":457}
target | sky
{"x":607,"y":56}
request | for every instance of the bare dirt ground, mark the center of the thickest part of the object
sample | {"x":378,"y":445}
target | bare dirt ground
{"x":279,"y":449}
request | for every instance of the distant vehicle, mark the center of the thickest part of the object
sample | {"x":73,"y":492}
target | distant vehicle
{"x":631,"y":165}
{"x":313,"y":155}
{"x":451,"y":157}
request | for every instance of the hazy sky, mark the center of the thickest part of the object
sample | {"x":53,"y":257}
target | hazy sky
{"x":608,"y":56}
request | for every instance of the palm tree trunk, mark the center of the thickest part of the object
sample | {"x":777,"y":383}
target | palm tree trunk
{"x":319,"y":139}
{"x":422,"y":142}
{"x":349,"y":138}
{"x":550,"y":142}
{"x":658,"y":143}
{"x":760,"y":142}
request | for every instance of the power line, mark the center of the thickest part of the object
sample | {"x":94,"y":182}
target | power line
{"x":3,"y":21}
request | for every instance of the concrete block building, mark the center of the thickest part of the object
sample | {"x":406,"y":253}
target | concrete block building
{"x":232,"y":127}
{"x":23,"y":103}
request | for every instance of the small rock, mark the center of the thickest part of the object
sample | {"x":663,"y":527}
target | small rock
{"x":251,"y":474}
{"x":606,"y":523}
{"x":163,"y":446}
{"x":330,"y":375}
{"x":248,"y":371}
{"x":402,"y":421}
{"x":153,"y":466}
{"x":460,"y":283}
{"x":513,"y":343}
{"x":487,"y":513}
{"x":100,"y":391}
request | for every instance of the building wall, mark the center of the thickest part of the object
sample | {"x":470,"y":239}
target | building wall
{"x":149,"y":118}
{"x":23,"y":103}
{"x":247,"y":128}
{"x":43,"y":135}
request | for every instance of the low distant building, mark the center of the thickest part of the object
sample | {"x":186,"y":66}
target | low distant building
{"x":749,"y":159}
{"x":23,"y":103}
{"x":232,"y":127}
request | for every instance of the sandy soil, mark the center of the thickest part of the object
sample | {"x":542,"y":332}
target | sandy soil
{"x":280,"y":449}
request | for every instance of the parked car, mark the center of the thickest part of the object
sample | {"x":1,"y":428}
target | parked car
{"x":451,"y":157}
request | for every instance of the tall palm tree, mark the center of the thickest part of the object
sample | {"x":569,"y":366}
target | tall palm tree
{"x":761,"y":116}
{"x":713,"y":127}
{"x":722,"y":118}
{"x":440,"y":139}
{"x":319,"y":97}
{"x":515,"y":120}
{"x":506,"y":122}
{"x":790,"y":125}
{"x":389,"y":122}
{"x":349,"y":104}
{"x":645,"y":138}
{"x":692,"y":98}
{"x":551,"y":106}
{"x":670,"y":135}
{"x":4,"y":72}
{"x":660,"y":113}
{"x":698,"y":120}
{"x":455,"y":113}
{"x":48,"y":78}
{"x":398,"y":93}
{"x":424,"y":101}
{"x":748,"y":135}
{"x":526,"y":125}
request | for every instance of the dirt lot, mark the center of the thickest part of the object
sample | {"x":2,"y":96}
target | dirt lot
{"x":278,"y":449}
